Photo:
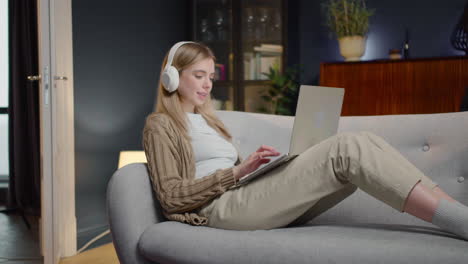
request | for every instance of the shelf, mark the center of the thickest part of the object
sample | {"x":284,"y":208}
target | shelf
{"x":237,"y":52}
{"x":256,"y":82}
{"x":223,"y":83}
{"x":385,"y":60}
{"x":217,"y":42}
{"x":262,"y":41}
{"x":245,"y":82}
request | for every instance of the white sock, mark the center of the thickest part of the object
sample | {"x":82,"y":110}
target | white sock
{"x":452,"y":217}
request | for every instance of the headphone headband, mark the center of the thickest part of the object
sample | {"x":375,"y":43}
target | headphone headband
{"x":173,"y":51}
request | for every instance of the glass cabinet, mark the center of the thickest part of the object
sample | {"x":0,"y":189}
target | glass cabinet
{"x":248,"y":38}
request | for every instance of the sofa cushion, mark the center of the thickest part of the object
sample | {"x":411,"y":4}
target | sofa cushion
{"x":173,"y":242}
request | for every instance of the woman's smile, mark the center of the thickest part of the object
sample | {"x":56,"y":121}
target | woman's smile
{"x":202,"y":95}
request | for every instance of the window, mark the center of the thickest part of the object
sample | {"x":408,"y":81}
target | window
{"x":4,"y":91}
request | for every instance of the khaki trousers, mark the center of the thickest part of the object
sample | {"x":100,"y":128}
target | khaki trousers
{"x":317,"y":180}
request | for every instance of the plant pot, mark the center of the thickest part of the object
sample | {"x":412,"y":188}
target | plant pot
{"x":352,"y":47}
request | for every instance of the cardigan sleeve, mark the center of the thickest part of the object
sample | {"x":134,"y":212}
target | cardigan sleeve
{"x":178,"y":193}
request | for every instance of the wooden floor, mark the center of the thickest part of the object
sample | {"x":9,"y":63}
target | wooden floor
{"x":101,"y":255}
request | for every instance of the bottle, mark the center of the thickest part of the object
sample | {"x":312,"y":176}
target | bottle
{"x":406,"y":45}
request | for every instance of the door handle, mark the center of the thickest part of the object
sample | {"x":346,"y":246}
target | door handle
{"x":33,"y":78}
{"x":38,"y":77}
{"x":64,"y":78}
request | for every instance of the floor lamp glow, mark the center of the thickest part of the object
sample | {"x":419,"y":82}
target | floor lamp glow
{"x":131,"y":156}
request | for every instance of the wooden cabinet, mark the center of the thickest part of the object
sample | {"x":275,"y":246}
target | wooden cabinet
{"x":387,"y":87}
{"x":247,"y":36}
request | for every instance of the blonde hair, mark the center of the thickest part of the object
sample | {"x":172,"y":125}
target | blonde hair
{"x":170,"y":103}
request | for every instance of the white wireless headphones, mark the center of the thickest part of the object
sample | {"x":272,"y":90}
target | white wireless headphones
{"x":170,"y":75}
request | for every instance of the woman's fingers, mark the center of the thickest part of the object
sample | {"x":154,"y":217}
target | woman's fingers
{"x":267,"y":148}
{"x":262,"y":157}
{"x":255,"y":160}
{"x":268,"y":153}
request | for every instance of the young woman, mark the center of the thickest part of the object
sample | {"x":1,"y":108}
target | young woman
{"x":194,"y":166}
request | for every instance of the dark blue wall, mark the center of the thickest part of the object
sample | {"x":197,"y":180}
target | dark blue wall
{"x":118,"y":48}
{"x":430,"y":23}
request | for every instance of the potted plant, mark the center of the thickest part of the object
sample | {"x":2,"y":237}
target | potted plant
{"x":283,"y":92}
{"x":349,"y":21}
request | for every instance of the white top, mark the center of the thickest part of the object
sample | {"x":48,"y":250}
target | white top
{"x":212,"y":151}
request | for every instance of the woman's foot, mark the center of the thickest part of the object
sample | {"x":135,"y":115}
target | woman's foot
{"x":434,"y":207}
{"x":453,"y":217}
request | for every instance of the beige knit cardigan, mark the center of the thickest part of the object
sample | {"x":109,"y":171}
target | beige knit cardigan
{"x":171,"y":165}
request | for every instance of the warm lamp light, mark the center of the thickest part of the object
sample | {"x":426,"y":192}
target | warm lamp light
{"x":131,"y":156}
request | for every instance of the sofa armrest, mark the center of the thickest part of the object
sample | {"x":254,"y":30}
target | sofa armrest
{"x":131,"y":208}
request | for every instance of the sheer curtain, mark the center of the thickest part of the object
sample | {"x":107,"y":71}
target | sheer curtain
{"x":24,"y":181}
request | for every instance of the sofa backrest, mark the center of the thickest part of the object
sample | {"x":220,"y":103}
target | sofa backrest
{"x":131,"y":208}
{"x":437,"y":144}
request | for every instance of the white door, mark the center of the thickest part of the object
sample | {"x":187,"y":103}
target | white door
{"x":58,"y":222}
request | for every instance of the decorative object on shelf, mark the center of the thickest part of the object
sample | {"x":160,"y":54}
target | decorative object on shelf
{"x":220,"y":24}
{"x":205,"y":32}
{"x":349,"y":21}
{"x":283,"y":92}
{"x":263,"y":22}
{"x":275,"y":29}
{"x":250,"y":23}
{"x":394,"y":54}
{"x":260,"y":61}
{"x":352,"y":47}
{"x":459,"y":38}
{"x":220,"y":72}
{"x":406,"y":46}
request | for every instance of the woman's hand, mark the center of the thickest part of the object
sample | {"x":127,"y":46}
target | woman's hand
{"x":254,"y":160}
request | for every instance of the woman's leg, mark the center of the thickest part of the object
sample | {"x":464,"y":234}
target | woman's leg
{"x":324,"y":205}
{"x":429,"y":186}
{"x":391,"y":151}
{"x":281,"y":196}
{"x":422,"y":203}
{"x":404,"y":162}
{"x":287,"y":193}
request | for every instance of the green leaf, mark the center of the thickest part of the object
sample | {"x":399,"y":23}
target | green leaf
{"x":283,"y":110}
{"x":283,"y":91}
{"x":347,"y":17}
{"x":286,"y":100}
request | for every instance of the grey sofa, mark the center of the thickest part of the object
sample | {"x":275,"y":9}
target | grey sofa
{"x":357,"y":230}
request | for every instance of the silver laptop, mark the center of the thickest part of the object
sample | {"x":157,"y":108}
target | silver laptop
{"x":317,"y":115}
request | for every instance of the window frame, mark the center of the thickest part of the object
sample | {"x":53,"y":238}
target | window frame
{"x":5,"y":110}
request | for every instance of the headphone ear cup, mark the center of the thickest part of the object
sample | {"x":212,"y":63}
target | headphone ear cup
{"x":170,"y":79}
